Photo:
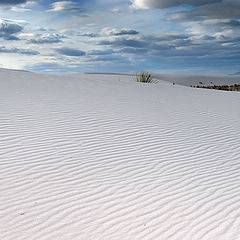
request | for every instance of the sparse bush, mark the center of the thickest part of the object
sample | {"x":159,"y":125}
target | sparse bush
{"x":144,"y":77}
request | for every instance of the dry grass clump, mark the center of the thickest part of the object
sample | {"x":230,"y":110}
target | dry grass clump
{"x":144,"y":77}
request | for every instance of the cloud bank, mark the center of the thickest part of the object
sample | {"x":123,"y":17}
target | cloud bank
{"x":178,"y":33}
{"x":227,"y":9}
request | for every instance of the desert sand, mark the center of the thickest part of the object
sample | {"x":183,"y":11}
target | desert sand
{"x":102,"y":157}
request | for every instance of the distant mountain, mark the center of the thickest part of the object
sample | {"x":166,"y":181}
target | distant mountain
{"x":237,"y":73}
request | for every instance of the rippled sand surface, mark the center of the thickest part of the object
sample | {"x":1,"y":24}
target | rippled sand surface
{"x":95,"y":157}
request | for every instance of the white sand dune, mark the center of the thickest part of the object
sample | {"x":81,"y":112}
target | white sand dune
{"x":96,"y":157}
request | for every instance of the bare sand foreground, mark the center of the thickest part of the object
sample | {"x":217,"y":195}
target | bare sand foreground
{"x":101,"y":157}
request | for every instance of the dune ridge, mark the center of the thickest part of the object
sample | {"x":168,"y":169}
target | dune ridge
{"x":103,"y":157}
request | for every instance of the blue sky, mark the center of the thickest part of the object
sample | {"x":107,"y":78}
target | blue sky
{"x":164,"y":36}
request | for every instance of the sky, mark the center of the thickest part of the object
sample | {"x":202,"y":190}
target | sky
{"x":159,"y":36}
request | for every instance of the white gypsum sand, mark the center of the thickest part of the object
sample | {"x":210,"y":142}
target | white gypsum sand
{"x":102,"y":157}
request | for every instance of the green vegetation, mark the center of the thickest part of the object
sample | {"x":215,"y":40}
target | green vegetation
{"x":235,"y":87}
{"x":144,"y":77}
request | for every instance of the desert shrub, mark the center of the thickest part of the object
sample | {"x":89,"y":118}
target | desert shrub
{"x":144,"y":77}
{"x":235,"y":87}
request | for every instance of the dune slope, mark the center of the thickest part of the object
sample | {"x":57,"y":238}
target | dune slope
{"x":103,"y":157}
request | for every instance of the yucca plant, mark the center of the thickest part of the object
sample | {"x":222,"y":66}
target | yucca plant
{"x":144,"y":77}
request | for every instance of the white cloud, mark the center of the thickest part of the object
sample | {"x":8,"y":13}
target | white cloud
{"x":147,"y":4}
{"x":20,"y":9}
{"x":47,"y":38}
{"x":27,"y":35}
{"x":216,"y":28}
{"x":25,"y":7}
{"x":65,"y":6}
